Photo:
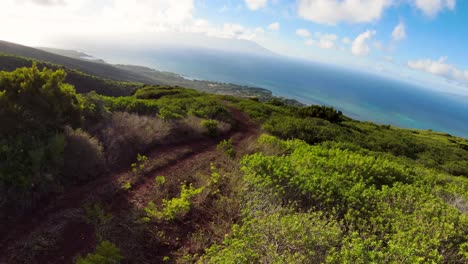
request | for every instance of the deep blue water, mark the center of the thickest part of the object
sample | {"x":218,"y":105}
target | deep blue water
{"x":358,"y":95}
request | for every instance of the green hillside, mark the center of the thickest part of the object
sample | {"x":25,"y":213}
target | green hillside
{"x":167,"y":174}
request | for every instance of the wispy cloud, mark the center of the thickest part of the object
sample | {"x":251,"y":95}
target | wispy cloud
{"x":441,"y":68}
{"x":399,"y":32}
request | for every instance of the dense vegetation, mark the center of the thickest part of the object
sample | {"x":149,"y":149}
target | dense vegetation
{"x":315,"y":187}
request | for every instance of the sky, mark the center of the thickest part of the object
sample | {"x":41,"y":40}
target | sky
{"x":420,"y":41}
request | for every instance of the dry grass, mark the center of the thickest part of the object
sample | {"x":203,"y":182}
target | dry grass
{"x":125,"y":135}
{"x":83,"y":156}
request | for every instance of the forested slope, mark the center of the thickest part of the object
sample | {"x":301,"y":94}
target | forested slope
{"x":174,"y":175}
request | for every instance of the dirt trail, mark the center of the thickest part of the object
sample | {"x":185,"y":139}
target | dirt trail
{"x":58,"y":214}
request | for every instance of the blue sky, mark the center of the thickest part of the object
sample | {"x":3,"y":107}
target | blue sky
{"x":432,"y":35}
{"x":423,"y":41}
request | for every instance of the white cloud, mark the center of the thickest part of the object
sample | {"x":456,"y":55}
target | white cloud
{"x":256,"y":4}
{"x":362,"y":11}
{"x":360,"y":46}
{"x":274,"y":26}
{"x":303,"y":32}
{"x":346,"y":41}
{"x":441,"y":68}
{"x":326,"y":41}
{"x":433,"y":7}
{"x":44,"y":22}
{"x":335,"y":11}
{"x":399,"y":32}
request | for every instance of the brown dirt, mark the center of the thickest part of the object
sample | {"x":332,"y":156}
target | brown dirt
{"x":78,"y":237}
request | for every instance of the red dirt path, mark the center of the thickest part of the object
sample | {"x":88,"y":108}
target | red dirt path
{"x":78,"y":237}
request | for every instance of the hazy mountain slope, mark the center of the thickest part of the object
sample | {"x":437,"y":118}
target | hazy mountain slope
{"x":98,"y":69}
{"x":84,"y":83}
{"x":113,"y":80}
{"x":72,"y":54}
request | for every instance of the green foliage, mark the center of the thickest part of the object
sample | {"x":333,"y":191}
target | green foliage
{"x":211,"y":127}
{"x":175,"y":208}
{"x":126,"y":186}
{"x":226,"y":147}
{"x":167,"y":114}
{"x":37,"y":101}
{"x":169,"y":103}
{"x":106,"y":253}
{"x":35,"y":107}
{"x":389,"y":212}
{"x":312,"y":130}
{"x":323,"y":112}
{"x":281,"y":236}
{"x":139,"y":166}
{"x":159,"y":180}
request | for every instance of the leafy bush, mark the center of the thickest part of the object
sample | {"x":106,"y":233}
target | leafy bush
{"x":389,"y":210}
{"x":323,"y":112}
{"x":139,"y":166}
{"x":39,"y":101}
{"x":278,"y":237}
{"x":106,"y":253}
{"x":167,"y":114}
{"x":226,"y":147}
{"x":211,"y":127}
{"x":175,"y":208}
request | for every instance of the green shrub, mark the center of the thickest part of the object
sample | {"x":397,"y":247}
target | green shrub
{"x":39,"y":101}
{"x":175,"y":208}
{"x":106,"y":253}
{"x":139,"y":166}
{"x":167,"y":114}
{"x":323,"y":112}
{"x":211,"y":127}
{"x":227,"y":148}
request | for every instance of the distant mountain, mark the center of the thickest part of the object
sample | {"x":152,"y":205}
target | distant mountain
{"x":199,"y":41}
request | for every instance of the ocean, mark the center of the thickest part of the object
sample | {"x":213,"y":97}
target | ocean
{"x":360,"y":96}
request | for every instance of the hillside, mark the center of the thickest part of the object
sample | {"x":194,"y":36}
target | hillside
{"x":124,"y":78}
{"x":105,"y":71}
{"x":173,"y":175}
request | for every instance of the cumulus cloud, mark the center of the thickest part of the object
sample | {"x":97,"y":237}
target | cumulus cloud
{"x":362,"y":11}
{"x":433,"y":7}
{"x":256,"y":4}
{"x":324,"y":41}
{"x":441,"y":68}
{"x":399,"y":32}
{"x":274,"y":26}
{"x":335,"y":11}
{"x":303,"y":32}
{"x":39,"y":24}
{"x":360,"y":46}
